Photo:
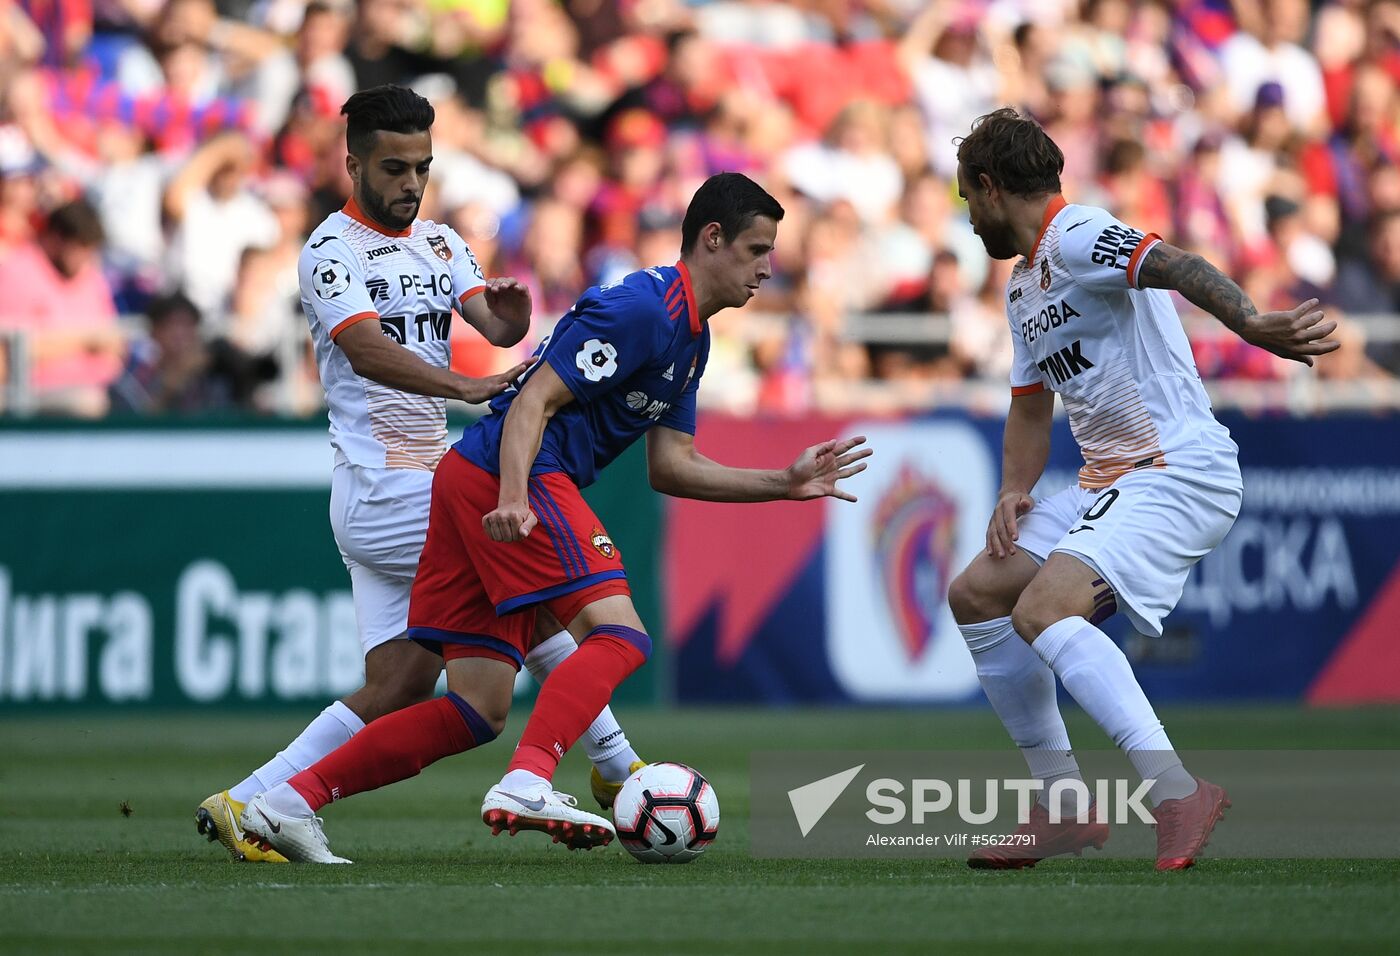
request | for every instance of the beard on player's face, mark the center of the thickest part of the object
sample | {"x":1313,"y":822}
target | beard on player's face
{"x":389,"y":210}
{"x":997,"y":240}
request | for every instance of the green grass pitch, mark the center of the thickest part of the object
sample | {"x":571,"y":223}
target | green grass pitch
{"x":78,"y":876}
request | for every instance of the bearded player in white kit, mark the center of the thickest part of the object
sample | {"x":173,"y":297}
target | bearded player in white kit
{"x":379,"y":286}
{"x":1159,"y":489}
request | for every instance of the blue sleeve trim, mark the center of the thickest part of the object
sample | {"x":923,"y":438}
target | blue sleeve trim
{"x":568,"y":587}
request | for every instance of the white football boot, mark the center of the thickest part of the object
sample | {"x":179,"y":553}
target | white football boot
{"x":537,"y":806}
{"x":300,"y":839}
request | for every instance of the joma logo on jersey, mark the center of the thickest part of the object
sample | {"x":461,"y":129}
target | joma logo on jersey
{"x":382,"y":251}
{"x":1115,"y":246}
{"x":1051,"y":317}
{"x":1065,"y":364}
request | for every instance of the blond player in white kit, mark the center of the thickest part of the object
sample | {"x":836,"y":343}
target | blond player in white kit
{"x":1159,"y":489}
{"x":379,"y":287}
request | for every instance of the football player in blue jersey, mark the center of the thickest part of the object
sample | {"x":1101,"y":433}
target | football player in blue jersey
{"x":510,"y":533}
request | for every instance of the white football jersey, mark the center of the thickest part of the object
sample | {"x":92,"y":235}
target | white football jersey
{"x":352,"y":270}
{"x":1117,"y":354}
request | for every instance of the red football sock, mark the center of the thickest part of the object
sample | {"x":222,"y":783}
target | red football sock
{"x":394,"y":747}
{"x":575,"y":692}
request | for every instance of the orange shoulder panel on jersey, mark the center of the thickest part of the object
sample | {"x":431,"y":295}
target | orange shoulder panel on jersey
{"x":1031,"y":389}
{"x":1135,"y":260}
{"x":357,"y":317}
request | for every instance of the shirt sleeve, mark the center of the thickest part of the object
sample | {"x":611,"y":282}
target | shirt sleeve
{"x":601,"y":343}
{"x":681,"y":415}
{"x":1103,"y":253}
{"x":333,"y":282}
{"x":467,"y":278}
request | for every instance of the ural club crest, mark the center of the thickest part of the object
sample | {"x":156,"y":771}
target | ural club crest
{"x":915,"y":528}
{"x":1045,"y":275}
{"x":440,"y":248}
{"x":603,"y":544}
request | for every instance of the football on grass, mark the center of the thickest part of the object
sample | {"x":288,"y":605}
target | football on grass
{"x":666,"y":813}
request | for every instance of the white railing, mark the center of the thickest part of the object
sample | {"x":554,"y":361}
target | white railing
{"x":1300,"y":394}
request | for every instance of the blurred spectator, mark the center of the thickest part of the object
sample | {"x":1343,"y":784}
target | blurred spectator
{"x":55,"y":293}
{"x":954,"y":80}
{"x":174,"y":370}
{"x":853,"y":164}
{"x":215,"y":216}
{"x":1267,"y":51}
{"x":1374,"y":285}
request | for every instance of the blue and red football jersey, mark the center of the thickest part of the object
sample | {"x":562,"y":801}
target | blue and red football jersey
{"x":632,"y":354}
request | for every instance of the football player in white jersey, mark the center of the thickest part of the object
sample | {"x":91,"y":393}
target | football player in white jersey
{"x":1091,"y":319}
{"x":379,"y":286}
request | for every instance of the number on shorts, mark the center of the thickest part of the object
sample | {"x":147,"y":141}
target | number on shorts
{"x":1101,"y":505}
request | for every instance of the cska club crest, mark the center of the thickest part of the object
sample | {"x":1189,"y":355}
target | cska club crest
{"x":915,"y":528}
{"x":440,"y":248}
{"x":603,"y":544}
{"x":1045,"y":275}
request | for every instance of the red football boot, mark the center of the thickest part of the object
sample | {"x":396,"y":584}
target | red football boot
{"x":1039,"y":839}
{"x":1184,"y":825}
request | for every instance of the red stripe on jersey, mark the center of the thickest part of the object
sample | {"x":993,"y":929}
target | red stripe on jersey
{"x":471,"y":292}
{"x":1051,"y":211}
{"x":1135,"y":260}
{"x":1031,"y":389}
{"x":352,"y":209}
{"x":689,"y":298}
{"x":357,"y":317}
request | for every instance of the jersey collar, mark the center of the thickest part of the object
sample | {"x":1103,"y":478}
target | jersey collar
{"x":1051,"y":211}
{"x":689,"y":298}
{"x":352,"y":209}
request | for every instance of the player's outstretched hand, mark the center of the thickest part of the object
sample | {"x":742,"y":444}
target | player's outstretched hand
{"x":509,"y":523}
{"x":815,"y":472}
{"x":1296,"y":334}
{"x":1001,"y":530}
{"x":509,"y":299}
{"x":476,"y":390}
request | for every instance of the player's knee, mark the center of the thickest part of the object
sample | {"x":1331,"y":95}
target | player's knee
{"x":971,"y":601}
{"x":637,"y":639}
{"x":962,"y":599}
{"x":1030,"y":616}
{"x":495,"y":718}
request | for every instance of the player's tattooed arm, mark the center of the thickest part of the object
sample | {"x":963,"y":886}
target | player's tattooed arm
{"x":1200,"y":283}
{"x":1297,"y":334}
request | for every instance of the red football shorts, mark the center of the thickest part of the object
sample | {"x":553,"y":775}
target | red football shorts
{"x":474,"y":597}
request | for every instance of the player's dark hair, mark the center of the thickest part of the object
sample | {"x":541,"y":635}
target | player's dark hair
{"x":394,"y":109}
{"x":1014,"y":151}
{"x":731,"y":199}
{"x":78,"y":222}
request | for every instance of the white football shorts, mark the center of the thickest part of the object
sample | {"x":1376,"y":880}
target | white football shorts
{"x":1141,"y":534}
{"x":380,"y":520}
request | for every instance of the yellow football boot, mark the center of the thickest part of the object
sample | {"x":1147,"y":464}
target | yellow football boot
{"x":604,"y":791}
{"x":217,"y":819}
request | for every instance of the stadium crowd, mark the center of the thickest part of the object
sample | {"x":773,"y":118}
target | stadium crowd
{"x":167,"y":158}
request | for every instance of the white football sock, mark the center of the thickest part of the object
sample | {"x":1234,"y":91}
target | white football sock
{"x":605,"y":742}
{"x":1098,"y":676}
{"x":331,"y":728}
{"x":288,"y":802}
{"x":522,"y":781}
{"x":1022,"y":692}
